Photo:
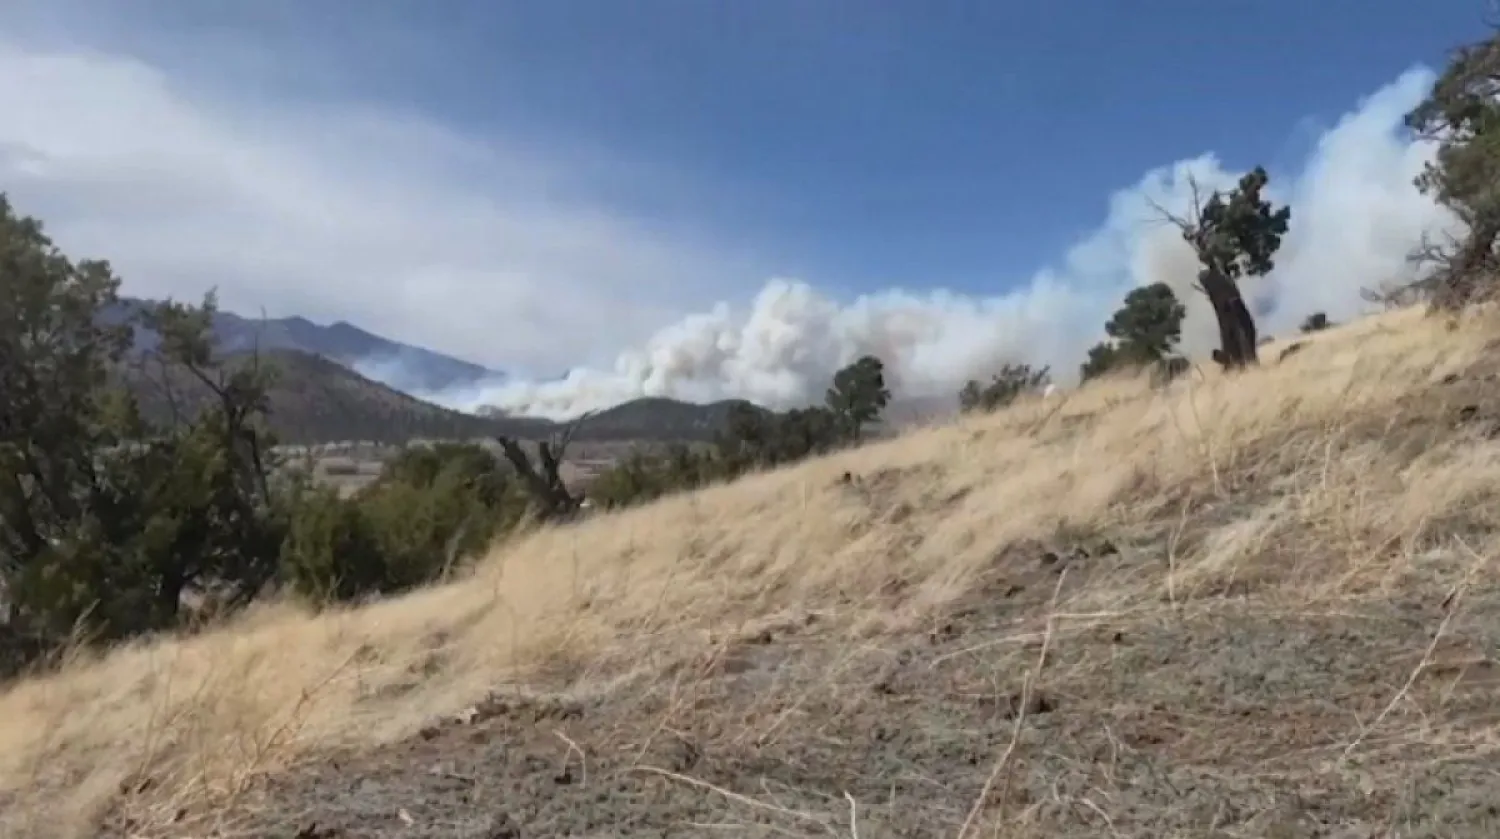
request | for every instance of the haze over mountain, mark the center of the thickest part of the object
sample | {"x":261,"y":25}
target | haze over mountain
{"x":411,"y":369}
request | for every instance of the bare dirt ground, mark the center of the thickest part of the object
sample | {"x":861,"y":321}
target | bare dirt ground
{"x":1224,"y":721}
{"x":1263,"y":607}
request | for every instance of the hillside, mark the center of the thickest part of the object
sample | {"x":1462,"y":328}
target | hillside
{"x":655,"y":418}
{"x":317,"y":400}
{"x":396,"y":364}
{"x":1258,"y":606}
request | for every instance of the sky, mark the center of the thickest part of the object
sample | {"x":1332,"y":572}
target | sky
{"x":712,"y":199}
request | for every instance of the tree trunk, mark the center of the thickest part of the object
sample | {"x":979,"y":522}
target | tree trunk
{"x":169,"y":596}
{"x":1466,"y":278}
{"x":1237,"y":340}
{"x":548,"y":491}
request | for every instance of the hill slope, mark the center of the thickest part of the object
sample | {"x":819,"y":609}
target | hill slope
{"x":318,"y":400}
{"x":1248,"y":607}
{"x":655,"y":418}
{"x":401,"y":366}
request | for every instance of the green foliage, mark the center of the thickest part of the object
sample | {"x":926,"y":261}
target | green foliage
{"x":1148,"y":326}
{"x":1461,"y":114}
{"x":1004,"y":388}
{"x":753,"y":438}
{"x":431,"y":508}
{"x":855,"y":400}
{"x":1316,"y":322}
{"x":331,"y":552}
{"x":805,"y":432}
{"x":108,"y":520}
{"x":1236,"y":235}
{"x":105,"y":522}
{"x":1102,"y":358}
{"x":1144,"y":331}
{"x":645,"y":475}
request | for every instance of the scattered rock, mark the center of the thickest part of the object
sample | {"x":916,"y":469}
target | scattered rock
{"x":685,"y":754}
{"x":942,"y":633}
{"x":1011,"y":705}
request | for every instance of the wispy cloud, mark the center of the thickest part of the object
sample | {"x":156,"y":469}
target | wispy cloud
{"x":488,"y":249}
{"x":499,"y":251}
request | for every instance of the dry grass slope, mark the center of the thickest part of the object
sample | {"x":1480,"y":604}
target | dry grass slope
{"x":1252,"y":608}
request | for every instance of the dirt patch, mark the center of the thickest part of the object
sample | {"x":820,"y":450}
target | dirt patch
{"x":1240,"y":721}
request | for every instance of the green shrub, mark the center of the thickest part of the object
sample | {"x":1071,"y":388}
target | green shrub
{"x":1004,"y":388}
{"x":330,"y":552}
{"x":431,"y":508}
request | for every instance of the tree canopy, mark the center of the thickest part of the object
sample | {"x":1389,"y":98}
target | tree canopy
{"x":1461,"y":115}
{"x":858,"y":395}
{"x":1145,"y":330}
{"x":1235,"y":235}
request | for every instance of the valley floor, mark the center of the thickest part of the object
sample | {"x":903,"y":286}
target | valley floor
{"x":1261,"y":607}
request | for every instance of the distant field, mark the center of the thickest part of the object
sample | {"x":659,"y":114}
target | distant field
{"x":353,"y":465}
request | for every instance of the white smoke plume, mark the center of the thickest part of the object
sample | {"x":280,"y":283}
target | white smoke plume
{"x":1355,"y":217}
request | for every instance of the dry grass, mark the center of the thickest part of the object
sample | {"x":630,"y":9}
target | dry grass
{"x":1309,"y":485}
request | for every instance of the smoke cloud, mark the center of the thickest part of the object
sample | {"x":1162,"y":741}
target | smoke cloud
{"x":1355,"y":217}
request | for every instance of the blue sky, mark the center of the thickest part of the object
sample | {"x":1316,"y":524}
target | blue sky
{"x":865,"y":141}
{"x":857,"y":146}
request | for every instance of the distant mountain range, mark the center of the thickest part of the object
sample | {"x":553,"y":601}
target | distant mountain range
{"x":329,"y":388}
{"x":317,"y":400}
{"x":340,"y":382}
{"x":401,"y":366}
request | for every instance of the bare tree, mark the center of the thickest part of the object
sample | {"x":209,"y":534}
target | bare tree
{"x":550,"y":496}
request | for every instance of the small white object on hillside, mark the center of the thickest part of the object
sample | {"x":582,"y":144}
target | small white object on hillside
{"x":1048,"y":391}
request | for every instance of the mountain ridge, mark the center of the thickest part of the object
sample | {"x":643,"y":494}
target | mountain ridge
{"x":329,"y":389}
{"x":419,"y":368}
{"x":315,"y":399}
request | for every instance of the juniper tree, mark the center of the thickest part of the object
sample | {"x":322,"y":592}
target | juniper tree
{"x":857,"y":396}
{"x":1461,"y":115}
{"x":1235,"y":235}
{"x":1145,"y":330}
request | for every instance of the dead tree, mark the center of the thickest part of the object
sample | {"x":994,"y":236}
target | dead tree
{"x":550,"y":497}
{"x":1234,"y":235}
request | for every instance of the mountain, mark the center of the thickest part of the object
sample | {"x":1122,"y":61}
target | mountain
{"x":655,"y":418}
{"x":401,"y":366}
{"x":340,"y":382}
{"x":317,"y":400}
